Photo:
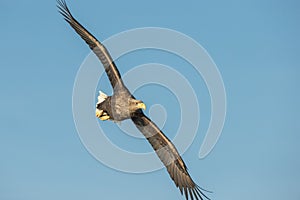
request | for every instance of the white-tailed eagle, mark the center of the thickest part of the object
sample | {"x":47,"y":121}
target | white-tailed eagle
{"x":122,"y":105}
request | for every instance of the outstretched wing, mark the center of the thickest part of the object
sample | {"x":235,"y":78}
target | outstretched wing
{"x":98,"y":48}
{"x":169,"y":155}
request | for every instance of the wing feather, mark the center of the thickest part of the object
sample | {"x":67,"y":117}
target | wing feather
{"x":169,"y":156}
{"x":98,"y":48}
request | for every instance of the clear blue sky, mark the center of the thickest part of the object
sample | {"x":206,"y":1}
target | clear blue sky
{"x":256,"y":47}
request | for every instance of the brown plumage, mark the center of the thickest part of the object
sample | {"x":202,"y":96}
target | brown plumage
{"x":122,"y":105}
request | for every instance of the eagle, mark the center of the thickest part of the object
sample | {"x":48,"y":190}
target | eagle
{"x":123,"y":105}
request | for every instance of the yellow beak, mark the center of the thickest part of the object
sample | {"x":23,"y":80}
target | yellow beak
{"x":142,"y":106}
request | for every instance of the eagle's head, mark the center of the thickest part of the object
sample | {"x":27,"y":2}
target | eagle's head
{"x":135,"y":104}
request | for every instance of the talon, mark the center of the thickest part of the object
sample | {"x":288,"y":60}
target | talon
{"x":99,"y":113}
{"x":103,"y":118}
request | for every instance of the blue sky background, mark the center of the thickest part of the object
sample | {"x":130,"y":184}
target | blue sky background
{"x":256,"y":46}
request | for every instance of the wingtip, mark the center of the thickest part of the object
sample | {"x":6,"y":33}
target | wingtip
{"x":199,"y":191}
{"x":64,"y":10}
{"x":195,"y":192}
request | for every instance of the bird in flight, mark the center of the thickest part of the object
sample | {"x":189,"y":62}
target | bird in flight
{"x":122,"y":105}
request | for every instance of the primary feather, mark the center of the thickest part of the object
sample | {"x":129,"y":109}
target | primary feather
{"x":96,"y":46}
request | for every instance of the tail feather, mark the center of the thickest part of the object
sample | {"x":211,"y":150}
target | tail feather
{"x":101,"y":97}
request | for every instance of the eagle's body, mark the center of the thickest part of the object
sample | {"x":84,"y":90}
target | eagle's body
{"x":122,"y":105}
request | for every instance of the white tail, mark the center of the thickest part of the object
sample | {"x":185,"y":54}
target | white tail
{"x":101,"y":97}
